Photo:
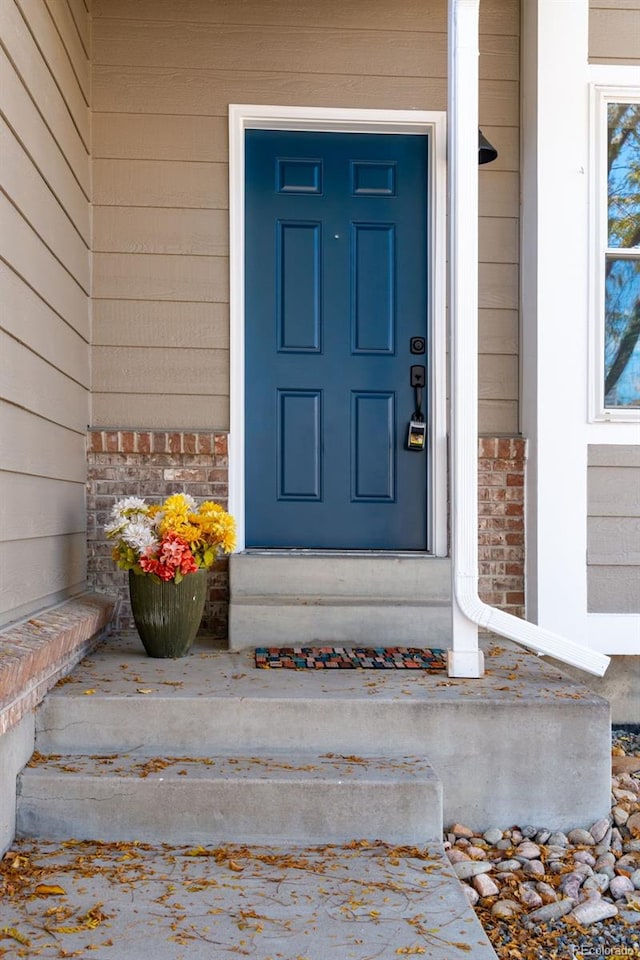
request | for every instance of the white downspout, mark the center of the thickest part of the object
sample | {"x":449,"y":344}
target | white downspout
{"x":469,"y":611}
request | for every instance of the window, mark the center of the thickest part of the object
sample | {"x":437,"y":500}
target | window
{"x":618,"y":255}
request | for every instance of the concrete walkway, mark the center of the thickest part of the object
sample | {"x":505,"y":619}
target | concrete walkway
{"x":128,"y":902}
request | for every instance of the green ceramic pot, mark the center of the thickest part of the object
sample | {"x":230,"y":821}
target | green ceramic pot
{"x":167,"y":614}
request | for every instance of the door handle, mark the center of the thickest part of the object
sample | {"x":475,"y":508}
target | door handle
{"x":418,"y":375}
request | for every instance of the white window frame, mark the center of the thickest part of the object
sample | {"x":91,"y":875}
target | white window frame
{"x":272,"y":117}
{"x":609,"y":84}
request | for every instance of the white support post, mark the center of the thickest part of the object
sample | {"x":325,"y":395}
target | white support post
{"x":465,"y":659}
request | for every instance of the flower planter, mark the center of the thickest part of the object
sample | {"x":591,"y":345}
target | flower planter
{"x":167,"y":614}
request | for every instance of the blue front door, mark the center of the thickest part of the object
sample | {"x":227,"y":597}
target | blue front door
{"x":336,"y":288}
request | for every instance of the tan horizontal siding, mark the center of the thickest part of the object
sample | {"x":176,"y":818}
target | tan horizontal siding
{"x":180,"y":370}
{"x":29,"y":382}
{"x":161,"y":183}
{"x":613,"y":526}
{"x":614,"y":541}
{"x":149,"y":323}
{"x":40,"y":208}
{"x":208,"y":92}
{"x":45,"y":449}
{"x":25,"y":507}
{"x":614,"y":31}
{"x":30,"y":257}
{"x":613,"y":589}
{"x":44,"y":319}
{"x":35,"y":570}
{"x":44,"y":151}
{"x":163,"y":77}
{"x":27,"y":317}
{"x":160,"y":277}
{"x":112,"y":410}
{"x":38,"y":76}
{"x":498,"y":417}
{"x":496,"y":17}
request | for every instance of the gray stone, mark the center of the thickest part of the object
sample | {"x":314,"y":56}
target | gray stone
{"x":583,"y":856}
{"x":599,"y":829}
{"x":534,"y":868}
{"x":460,"y":830}
{"x":593,"y":910}
{"x":457,"y":856}
{"x":471,"y":868}
{"x":476,"y":853}
{"x":620,"y":815}
{"x":507,"y":866}
{"x":581,"y":837}
{"x":542,"y":836}
{"x":555,"y":866}
{"x":552,"y":911}
{"x":503,"y":844}
{"x":620,"y":886}
{"x":529,"y":897}
{"x":571,"y":884}
{"x":506,"y":909}
{"x":547,"y":892}
{"x":556,"y":852}
{"x":472,"y":895}
{"x":632,"y":846}
{"x":599,"y":881}
{"x":605,"y":860}
{"x":635,"y":879}
{"x":493,"y":835}
{"x":485,"y":886}
{"x":528,"y":831}
{"x":529,"y":850}
{"x":558,"y":839}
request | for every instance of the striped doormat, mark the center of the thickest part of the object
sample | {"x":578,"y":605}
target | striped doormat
{"x":348,"y":658}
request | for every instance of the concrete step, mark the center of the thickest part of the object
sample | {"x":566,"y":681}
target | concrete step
{"x":340,"y":902}
{"x":300,"y":598}
{"x":288,"y":797}
{"x":475,"y":733}
{"x":292,"y":621}
{"x":394,"y":577}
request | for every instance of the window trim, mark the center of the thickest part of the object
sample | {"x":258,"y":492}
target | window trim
{"x":601,"y":94}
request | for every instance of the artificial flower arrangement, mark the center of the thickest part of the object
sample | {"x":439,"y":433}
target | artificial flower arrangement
{"x":167,"y":541}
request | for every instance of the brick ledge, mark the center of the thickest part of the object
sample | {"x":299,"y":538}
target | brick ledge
{"x":35,"y":653}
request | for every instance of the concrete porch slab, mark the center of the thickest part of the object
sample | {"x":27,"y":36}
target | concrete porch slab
{"x":353,"y":903}
{"x":524,"y":742}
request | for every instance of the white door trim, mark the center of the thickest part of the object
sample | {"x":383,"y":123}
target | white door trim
{"x":247,"y":116}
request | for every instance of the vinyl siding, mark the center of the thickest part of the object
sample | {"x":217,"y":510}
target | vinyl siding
{"x":614,"y":529}
{"x":164,"y":73}
{"x":614,"y":31}
{"x":44,"y":315}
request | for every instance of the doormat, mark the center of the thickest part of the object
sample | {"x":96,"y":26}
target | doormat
{"x":347,"y":658}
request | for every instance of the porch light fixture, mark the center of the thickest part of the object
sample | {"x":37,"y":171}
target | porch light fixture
{"x":487,"y":153}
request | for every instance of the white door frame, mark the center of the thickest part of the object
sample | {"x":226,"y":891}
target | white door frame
{"x":433,"y":123}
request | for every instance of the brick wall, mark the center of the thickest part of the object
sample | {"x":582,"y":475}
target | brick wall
{"x":153,"y":465}
{"x":501,"y":537}
{"x":156,"y":464}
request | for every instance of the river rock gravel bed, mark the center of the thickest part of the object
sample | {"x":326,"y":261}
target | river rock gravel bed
{"x":542,"y":894}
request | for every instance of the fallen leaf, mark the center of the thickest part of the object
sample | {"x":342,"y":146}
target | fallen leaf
{"x":88,"y":693}
{"x":49,"y":890}
{"x":144,"y":690}
{"x":235,"y":866}
{"x":15,"y":935}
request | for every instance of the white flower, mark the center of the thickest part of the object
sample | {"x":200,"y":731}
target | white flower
{"x":139,"y":536}
{"x":128,"y":507}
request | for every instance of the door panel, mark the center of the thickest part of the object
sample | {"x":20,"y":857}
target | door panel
{"x":336,"y":268}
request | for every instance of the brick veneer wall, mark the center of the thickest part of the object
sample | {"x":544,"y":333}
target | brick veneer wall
{"x":153,"y":465}
{"x":156,"y":464}
{"x":501,"y":535}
